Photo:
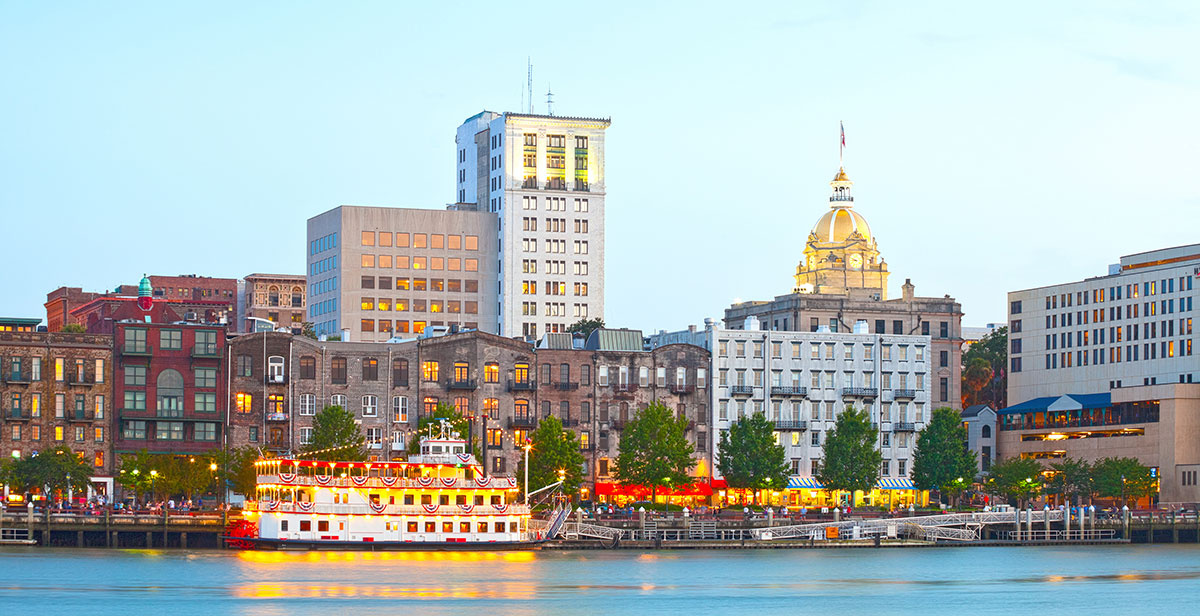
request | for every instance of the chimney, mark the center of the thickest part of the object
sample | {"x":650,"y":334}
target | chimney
{"x":907,"y":289}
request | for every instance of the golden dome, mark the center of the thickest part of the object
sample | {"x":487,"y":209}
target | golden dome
{"x":841,"y":176}
{"x":838,"y":224}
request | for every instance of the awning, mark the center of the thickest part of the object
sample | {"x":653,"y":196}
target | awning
{"x":901,"y":483}
{"x":611,"y":488}
{"x":718,"y":484}
{"x":804,"y":483}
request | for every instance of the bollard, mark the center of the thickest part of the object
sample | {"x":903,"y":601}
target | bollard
{"x":770,"y":517}
{"x":1125,"y":522}
{"x":1046,"y":519}
{"x":642,"y":517}
{"x":1029,"y":523}
{"x":837,"y":514}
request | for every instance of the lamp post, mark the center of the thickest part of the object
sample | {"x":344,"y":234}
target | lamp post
{"x":528,"y":446}
{"x":153,"y":477}
{"x":562,"y":477}
{"x":212,"y":469}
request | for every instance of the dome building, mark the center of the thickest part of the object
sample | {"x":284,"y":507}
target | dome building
{"x":841,"y":255}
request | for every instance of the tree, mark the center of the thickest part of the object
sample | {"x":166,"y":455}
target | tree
{"x":941,"y":460}
{"x":975,"y":378}
{"x":54,"y":470}
{"x":134,"y":473}
{"x":585,"y":326}
{"x":335,"y":436}
{"x":236,"y":469}
{"x":749,"y":456}
{"x":851,"y":460}
{"x":1017,"y":479}
{"x":457,"y":422}
{"x":307,"y":330}
{"x":992,"y":348}
{"x":653,"y":450}
{"x":74,"y":328}
{"x":1072,"y":479}
{"x":554,"y":450}
{"x":1123,"y":478}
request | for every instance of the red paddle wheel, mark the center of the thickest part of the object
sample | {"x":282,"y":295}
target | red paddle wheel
{"x":235,"y":532}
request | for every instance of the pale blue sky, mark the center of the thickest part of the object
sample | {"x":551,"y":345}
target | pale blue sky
{"x":994,"y":147}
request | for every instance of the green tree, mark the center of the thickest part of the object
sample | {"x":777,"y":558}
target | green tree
{"x":851,"y":459}
{"x":335,"y":437}
{"x":307,"y":330}
{"x":941,"y":460}
{"x":654,"y":451}
{"x":993,"y":349}
{"x":55,"y":470}
{"x":1072,"y":479}
{"x":134,"y":473}
{"x":236,"y":469}
{"x":1018,"y":479}
{"x":1123,"y":478}
{"x":749,"y":457}
{"x":74,"y":328}
{"x":585,"y":326}
{"x":554,"y":450}
{"x":457,"y":422}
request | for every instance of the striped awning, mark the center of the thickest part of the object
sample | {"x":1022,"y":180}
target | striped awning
{"x":900,"y":483}
{"x":804,"y":483}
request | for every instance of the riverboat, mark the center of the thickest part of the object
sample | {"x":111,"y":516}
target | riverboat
{"x":441,"y":499}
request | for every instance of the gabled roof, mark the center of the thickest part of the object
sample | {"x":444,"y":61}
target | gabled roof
{"x":1067,"y":402}
{"x":561,"y":341}
{"x":974,"y":410}
{"x":604,"y":339}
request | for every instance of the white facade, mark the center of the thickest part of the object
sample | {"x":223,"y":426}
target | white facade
{"x":544,"y":177}
{"x":1132,"y":327}
{"x":803,"y":380}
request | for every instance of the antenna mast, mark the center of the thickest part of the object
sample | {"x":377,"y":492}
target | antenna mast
{"x":549,"y":101}
{"x":530,"y":85}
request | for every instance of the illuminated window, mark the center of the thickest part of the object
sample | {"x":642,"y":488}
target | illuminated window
{"x":402,"y":240}
{"x":429,"y":370}
{"x":462,"y":405}
{"x":385,"y":261}
{"x":435,"y":305}
{"x":244,"y":402}
{"x":385,"y":238}
{"x":429,"y":404}
{"x":491,"y":372}
{"x":437,"y":263}
{"x":368,"y":260}
{"x":454,"y":264}
{"x":368,"y":303}
{"x":384,"y":304}
{"x":471,"y":242}
{"x":454,"y":242}
{"x":368,"y":325}
{"x":420,"y":240}
{"x":368,"y":238}
{"x":401,"y":263}
{"x":418,"y":327}
{"x":437,"y":240}
{"x":418,"y":263}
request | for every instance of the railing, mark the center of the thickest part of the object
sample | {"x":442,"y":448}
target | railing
{"x":275,"y":379}
{"x":16,"y":413}
{"x":329,"y":508}
{"x":204,"y":350}
{"x":581,"y":186}
{"x":330,"y":481}
{"x":79,"y":415}
{"x":75,"y":380}
{"x":566,"y":386}
{"x":570,"y":423}
{"x":17,"y":378}
{"x":277,"y":417}
{"x":680,"y":388}
{"x":556,"y":184}
{"x":741,"y":390}
{"x":865,"y":392}
{"x":904,"y":393}
{"x":137,"y":349}
{"x":781,"y":390}
{"x":528,"y":385}
{"x":792,"y":425}
{"x":904,"y":427}
{"x":522,"y":421}
{"x":625,"y":387}
{"x":1101,"y":534}
{"x":467,"y":384}
{"x":529,"y":183}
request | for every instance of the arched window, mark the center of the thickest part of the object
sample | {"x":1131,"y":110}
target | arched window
{"x":273,"y":296}
{"x":169,"y":386}
{"x":275,"y":369}
{"x":297,"y":297}
{"x":987,"y":432}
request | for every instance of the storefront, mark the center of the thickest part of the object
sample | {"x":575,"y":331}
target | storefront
{"x":693,"y":494}
{"x":888,"y":493}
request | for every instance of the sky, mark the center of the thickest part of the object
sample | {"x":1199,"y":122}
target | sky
{"x":993,"y":147}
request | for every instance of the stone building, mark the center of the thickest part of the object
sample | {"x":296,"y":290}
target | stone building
{"x":842,"y":279}
{"x":278,"y":298}
{"x":56,"y":389}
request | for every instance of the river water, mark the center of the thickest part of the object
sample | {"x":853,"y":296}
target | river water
{"x":977,"y":580}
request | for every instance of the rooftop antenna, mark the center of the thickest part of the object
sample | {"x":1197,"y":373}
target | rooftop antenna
{"x":549,"y":101}
{"x":530,"y":84}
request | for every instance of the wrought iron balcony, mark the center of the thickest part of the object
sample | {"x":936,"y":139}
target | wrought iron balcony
{"x":566,"y":386}
{"x":556,"y":184}
{"x":681,"y":388}
{"x":277,"y":416}
{"x":522,"y":421}
{"x":741,"y":390}
{"x":529,"y":183}
{"x":16,"y":378}
{"x":582,"y":186}
{"x":84,"y":382}
{"x":788,"y":390}
{"x":141,"y":350}
{"x":791,"y":425}
{"x":275,"y":379}
{"x":570,"y":422}
{"x":625,"y":387}
{"x":466,"y":384}
{"x":527,"y":385}
{"x":79,"y":415}
{"x":16,"y":413}
{"x":904,"y":427}
{"x":904,"y":393}
{"x":862,"y":392}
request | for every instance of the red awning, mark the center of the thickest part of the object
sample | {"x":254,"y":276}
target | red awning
{"x":608,"y":488}
{"x":719,"y":484}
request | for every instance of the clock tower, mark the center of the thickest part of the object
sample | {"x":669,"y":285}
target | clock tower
{"x":841,"y":256}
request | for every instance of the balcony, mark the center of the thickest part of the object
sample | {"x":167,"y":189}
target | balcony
{"x":275,"y":379}
{"x":16,"y":378}
{"x":566,"y":386}
{"x":741,"y":390}
{"x":80,"y":381}
{"x":17,"y":414}
{"x":277,"y":416}
{"x":522,"y":422}
{"x":789,"y":391}
{"x":529,"y":183}
{"x":860,"y":392}
{"x":208,"y":351}
{"x":556,"y":184}
{"x":79,"y":415}
{"x":680,"y":389}
{"x":525,"y":385}
{"x":790,"y":425}
{"x":624,"y":387}
{"x":582,"y":186}
{"x":464,"y":384}
{"x":139,"y":350}
{"x":904,"y":393}
{"x":570,"y":422}
{"x":904,"y":427}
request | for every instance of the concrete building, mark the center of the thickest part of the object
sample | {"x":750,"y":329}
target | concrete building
{"x":278,"y":298}
{"x":56,"y":389}
{"x":543,"y":176}
{"x":979,"y":421}
{"x":842,"y":279}
{"x":375,"y":273}
{"x":802,"y":381}
{"x":971,"y":335}
{"x":1130,"y":327}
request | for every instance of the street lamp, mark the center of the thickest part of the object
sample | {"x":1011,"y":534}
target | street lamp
{"x":153,"y":477}
{"x":212,"y":468}
{"x":528,"y":446}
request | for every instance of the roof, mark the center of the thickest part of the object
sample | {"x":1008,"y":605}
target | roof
{"x":280,"y":276}
{"x":560,"y":341}
{"x":604,"y":339}
{"x":974,"y":410}
{"x":19,"y":321}
{"x":538,"y":116}
{"x":1067,"y":402}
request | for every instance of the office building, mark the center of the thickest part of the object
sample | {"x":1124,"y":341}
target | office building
{"x":272,"y":300}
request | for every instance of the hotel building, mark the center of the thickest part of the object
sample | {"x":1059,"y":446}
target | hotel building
{"x":1105,"y":367}
{"x":543,"y":177}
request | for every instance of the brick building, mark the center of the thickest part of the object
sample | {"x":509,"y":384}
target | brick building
{"x":61,"y":301}
{"x":210,"y":299}
{"x":56,"y":389}
{"x":278,"y":298}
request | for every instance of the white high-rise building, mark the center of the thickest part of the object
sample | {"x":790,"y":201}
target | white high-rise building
{"x":544,"y":178}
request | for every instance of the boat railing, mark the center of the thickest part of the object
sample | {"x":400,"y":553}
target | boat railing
{"x":417,"y":510}
{"x":395,"y":483}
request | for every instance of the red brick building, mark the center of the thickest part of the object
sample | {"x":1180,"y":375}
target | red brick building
{"x":211,"y":299}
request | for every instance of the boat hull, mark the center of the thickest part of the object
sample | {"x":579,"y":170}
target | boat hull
{"x":258,"y":543}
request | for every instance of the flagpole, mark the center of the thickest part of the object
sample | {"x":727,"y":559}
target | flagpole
{"x":842,"y":147}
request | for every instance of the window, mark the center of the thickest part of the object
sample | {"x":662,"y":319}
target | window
{"x":135,"y":376}
{"x":308,"y":404}
{"x":244,"y":402}
{"x":169,"y":402}
{"x":399,"y":409}
{"x":135,"y":340}
{"x":338,"y":370}
{"x":169,"y":430}
{"x":370,"y":369}
{"x":134,"y":430}
{"x":400,"y":372}
{"x":170,"y":339}
{"x":206,"y":402}
{"x":206,"y":431}
{"x":245,"y":365}
{"x":429,"y":371}
{"x":308,"y":367}
{"x":370,"y":406}
{"x":206,"y":378}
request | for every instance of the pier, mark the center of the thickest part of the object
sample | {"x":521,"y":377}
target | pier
{"x":109,"y":530}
